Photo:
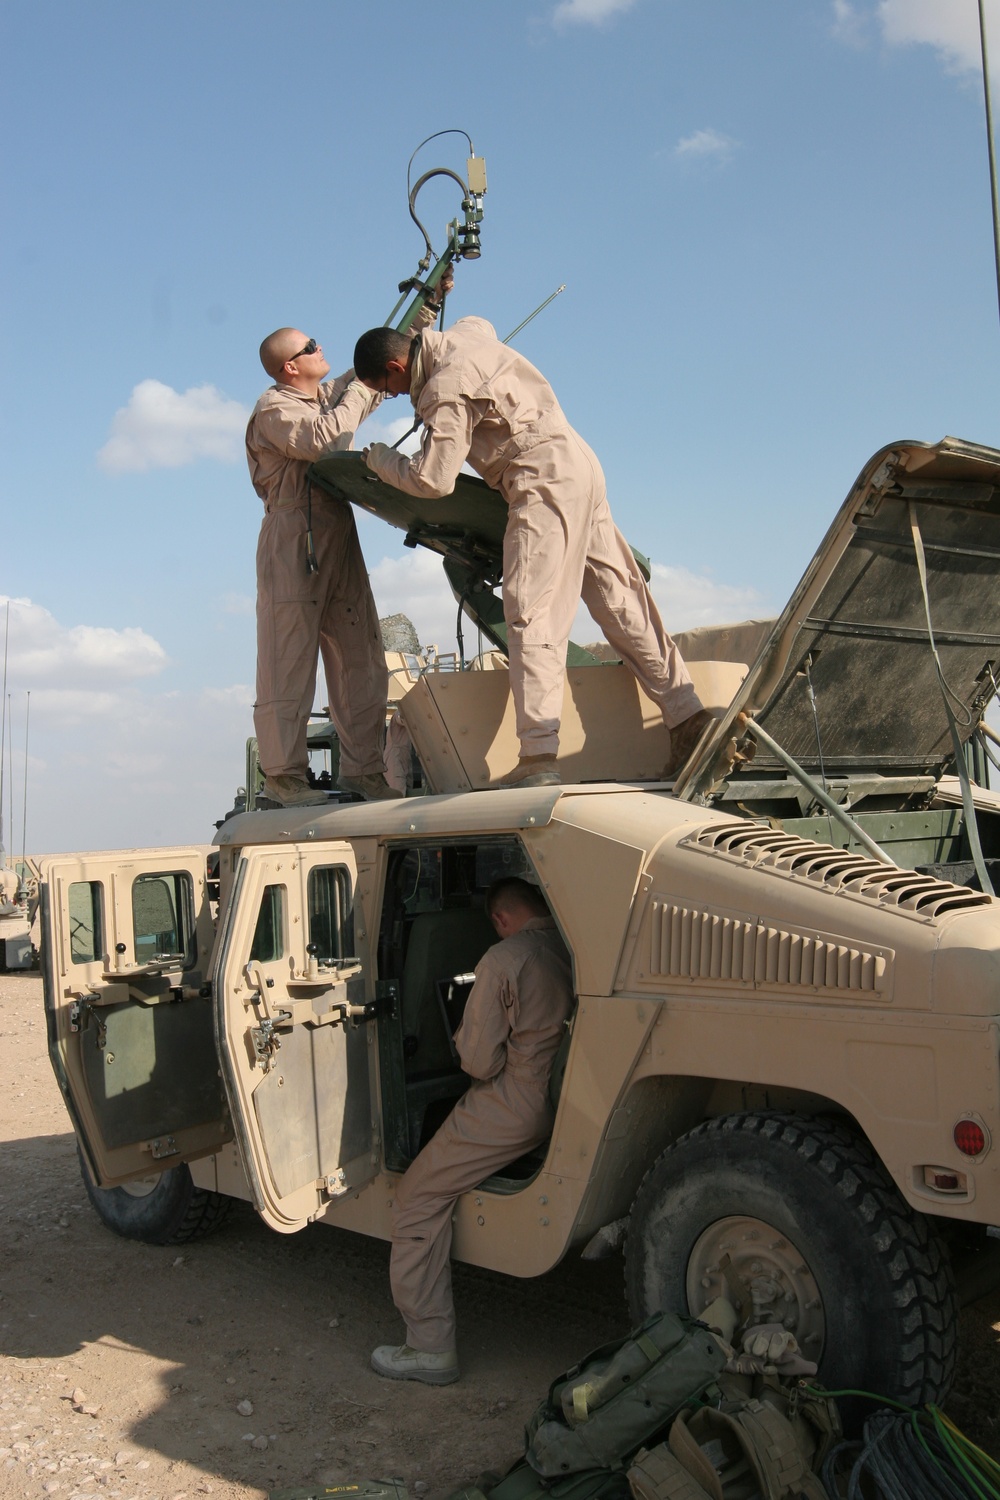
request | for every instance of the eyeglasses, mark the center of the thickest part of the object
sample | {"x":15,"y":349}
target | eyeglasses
{"x":310,"y":348}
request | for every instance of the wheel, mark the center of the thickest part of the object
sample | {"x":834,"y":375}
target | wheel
{"x":817,"y":1231}
{"x":163,"y":1209}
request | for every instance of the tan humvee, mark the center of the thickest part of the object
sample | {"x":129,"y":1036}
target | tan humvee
{"x":782,"y":1074}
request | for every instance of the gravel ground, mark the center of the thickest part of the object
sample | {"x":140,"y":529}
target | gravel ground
{"x":240,"y":1363}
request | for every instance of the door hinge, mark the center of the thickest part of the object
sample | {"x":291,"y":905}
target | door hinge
{"x":386,"y":998}
{"x":160,"y":1148}
{"x":334,"y":1185}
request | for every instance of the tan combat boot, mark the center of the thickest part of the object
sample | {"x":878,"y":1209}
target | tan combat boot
{"x":533,"y":770}
{"x":405,"y":1363}
{"x":292,"y":791}
{"x":373,"y":787}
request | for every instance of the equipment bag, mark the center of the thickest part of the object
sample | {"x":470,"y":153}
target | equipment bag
{"x":522,"y":1483}
{"x":767,"y":1447}
{"x":598,"y":1413}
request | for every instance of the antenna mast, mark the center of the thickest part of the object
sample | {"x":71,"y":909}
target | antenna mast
{"x":989,"y":139}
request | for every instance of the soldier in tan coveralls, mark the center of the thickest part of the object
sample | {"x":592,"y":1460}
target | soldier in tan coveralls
{"x":328,"y":611}
{"x":510,"y":1033}
{"x":483,"y":402}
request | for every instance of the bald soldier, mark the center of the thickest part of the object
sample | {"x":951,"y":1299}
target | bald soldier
{"x":482,"y":402}
{"x":313,"y":594}
{"x":513,"y":1023}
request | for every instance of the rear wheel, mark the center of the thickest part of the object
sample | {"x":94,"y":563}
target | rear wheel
{"x":164,"y":1208}
{"x":816,"y":1230}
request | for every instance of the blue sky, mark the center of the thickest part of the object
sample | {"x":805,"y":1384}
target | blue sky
{"x":773,"y":223}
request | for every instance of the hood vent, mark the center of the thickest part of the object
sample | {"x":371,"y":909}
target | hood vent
{"x":838,"y":870}
{"x":690,"y":944}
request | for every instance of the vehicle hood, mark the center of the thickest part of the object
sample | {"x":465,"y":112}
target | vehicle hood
{"x":856,"y":628}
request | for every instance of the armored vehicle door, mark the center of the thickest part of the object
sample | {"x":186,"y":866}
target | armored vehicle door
{"x":296,"y":1034}
{"x":127,"y":942}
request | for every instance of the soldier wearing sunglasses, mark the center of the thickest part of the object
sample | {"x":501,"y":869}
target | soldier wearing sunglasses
{"x":313,"y":594}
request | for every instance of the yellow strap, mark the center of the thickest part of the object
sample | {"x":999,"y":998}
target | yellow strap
{"x":581,"y":1401}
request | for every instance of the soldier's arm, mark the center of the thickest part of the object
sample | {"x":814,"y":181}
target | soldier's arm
{"x":448,"y":427}
{"x":308,"y":431}
{"x":481,"y":1039}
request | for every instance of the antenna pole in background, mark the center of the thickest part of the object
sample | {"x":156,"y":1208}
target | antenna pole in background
{"x":989,"y":139}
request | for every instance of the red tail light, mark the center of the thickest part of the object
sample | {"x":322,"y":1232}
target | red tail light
{"x":970,"y":1138}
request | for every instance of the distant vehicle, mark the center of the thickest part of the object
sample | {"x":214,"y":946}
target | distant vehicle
{"x":782,"y":1076}
{"x":18,"y":906}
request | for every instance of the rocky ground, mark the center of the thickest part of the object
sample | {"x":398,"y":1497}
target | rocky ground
{"x":240,"y":1364}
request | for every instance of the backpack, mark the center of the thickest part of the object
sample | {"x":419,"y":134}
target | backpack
{"x":598,"y":1413}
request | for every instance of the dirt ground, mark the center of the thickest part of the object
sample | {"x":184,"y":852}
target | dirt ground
{"x":239,"y":1364}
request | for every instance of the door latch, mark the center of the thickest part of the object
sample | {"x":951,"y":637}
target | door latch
{"x":81,"y":1012}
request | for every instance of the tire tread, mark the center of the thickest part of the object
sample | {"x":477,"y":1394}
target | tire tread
{"x":904,"y":1242}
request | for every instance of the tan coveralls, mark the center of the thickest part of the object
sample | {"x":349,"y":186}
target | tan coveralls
{"x":301,"y":615}
{"x":483,"y":402}
{"x":510,"y":1033}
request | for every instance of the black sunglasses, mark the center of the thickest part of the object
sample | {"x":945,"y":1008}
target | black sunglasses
{"x":310,"y":348}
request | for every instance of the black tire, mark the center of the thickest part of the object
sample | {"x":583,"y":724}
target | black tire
{"x":164,"y":1209}
{"x":886,"y":1316}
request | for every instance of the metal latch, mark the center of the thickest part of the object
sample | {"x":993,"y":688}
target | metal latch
{"x":265,"y":1042}
{"x":81,"y":1012}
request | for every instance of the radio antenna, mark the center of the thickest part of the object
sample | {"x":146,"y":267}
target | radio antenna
{"x":989,"y":141}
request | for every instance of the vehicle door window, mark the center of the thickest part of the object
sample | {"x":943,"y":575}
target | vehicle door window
{"x":163,"y":917}
{"x":331,"y":912}
{"x":86,"y":921}
{"x":269,"y":934}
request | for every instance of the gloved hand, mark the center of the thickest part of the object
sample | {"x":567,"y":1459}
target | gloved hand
{"x":770,"y":1349}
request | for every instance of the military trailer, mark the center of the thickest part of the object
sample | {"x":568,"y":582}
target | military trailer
{"x":782,"y":1074}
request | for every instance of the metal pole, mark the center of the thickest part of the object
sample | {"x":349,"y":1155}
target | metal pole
{"x":24,"y":801}
{"x":10,"y":770}
{"x":822,"y":797}
{"x":989,"y":140}
{"x":3,"y":720}
{"x":541,"y":306}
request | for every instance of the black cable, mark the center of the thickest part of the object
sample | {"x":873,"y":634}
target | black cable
{"x":900,"y":1457}
{"x":312,"y":566}
{"x":458,"y":631}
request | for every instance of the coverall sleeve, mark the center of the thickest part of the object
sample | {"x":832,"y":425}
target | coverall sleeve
{"x":449,"y":423}
{"x":482,"y":1037}
{"x":306,"y":433}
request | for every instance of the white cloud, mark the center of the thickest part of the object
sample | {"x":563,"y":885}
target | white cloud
{"x":150,"y":769}
{"x":688,"y":599}
{"x":389,"y":430}
{"x":415,"y":585}
{"x":589,"y":12}
{"x":161,"y":428}
{"x":849,"y":24}
{"x":42,"y":652}
{"x":238,"y":604}
{"x":706,"y":143}
{"x":951,"y":27}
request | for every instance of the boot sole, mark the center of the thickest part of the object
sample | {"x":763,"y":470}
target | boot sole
{"x":544,"y":778}
{"x":426,"y":1377}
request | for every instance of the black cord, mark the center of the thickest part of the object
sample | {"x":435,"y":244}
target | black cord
{"x":312,"y":566}
{"x":458,"y":632}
